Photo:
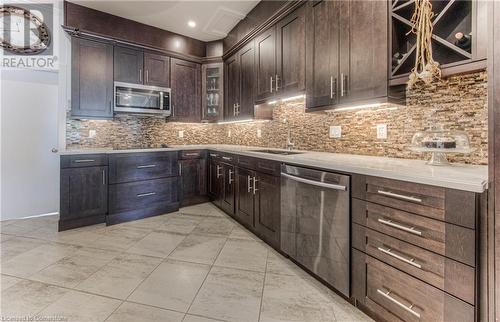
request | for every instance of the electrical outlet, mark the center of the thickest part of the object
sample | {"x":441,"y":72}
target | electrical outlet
{"x":180,"y":134}
{"x":382,"y":131}
{"x":229,"y":133}
{"x":335,"y":132}
{"x":92,"y":134}
{"x":259,"y":133}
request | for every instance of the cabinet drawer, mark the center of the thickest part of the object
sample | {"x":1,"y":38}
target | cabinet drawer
{"x":451,"y":276}
{"x":269,"y":167}
{"x":453,"y":206}
{"x":395,"y":296}
{"x":145,"y":194}
{"x":445,"y":239}
{"x":191,"y":154}
{"x":246,"y":162}
{"x":142,"y":166}
{"x":83,"y":160}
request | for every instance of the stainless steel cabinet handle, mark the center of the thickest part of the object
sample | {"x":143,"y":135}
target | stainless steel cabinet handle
{"x":213,"y":155}
{"x":410,"y":261}
{"x":315,"y":183}
{"x":255,"y":185}
{"x":331,"y":87}
{"x":227,"y":158}
{"x":180,"y":169}
{"x":145,"y":166}
{"x":147,"y":75}
{"x":249,"y":183}
{"x":84,"y":160}
{"x":231,"y":176}
{"x":147,"y":194}
{"x":140,"y":75}
{"x":342,"y":84}
{"x":271,"y":84}
{"x":396,"y":195}
{"x":218,"y":171}
{"x":398,"y":303}
{"x":391,"y":223}
{"x":234,"y":109}
{"x":195,"y":154}
{"x":276,"y":82}
{"x":103,"y":177}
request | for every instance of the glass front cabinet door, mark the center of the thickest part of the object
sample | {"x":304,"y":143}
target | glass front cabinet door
{"x":212,"y":91}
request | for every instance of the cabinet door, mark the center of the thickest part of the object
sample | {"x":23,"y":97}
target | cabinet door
{"x":193,"y":182}
{"x":265,"y":69}
{"x":245,"y":107}
{"x":84,"y":192}
{"x":91,"y":79}
{"x":232,"y":86}
{"x":363,"y":56}
{"x":267,"y":208}
{"x":156,"y":70}
{"x":215,"y":181}
{"x":244,"y":197}
{"x":212,"y":91}
{"x":186,"y":90}
{"x":128,"y":65}
{"x":291,"y":55}
{"x":322,"y":53}
{"x":228,"y":189}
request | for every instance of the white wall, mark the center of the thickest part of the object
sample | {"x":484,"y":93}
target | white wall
{"x":32,"y":118}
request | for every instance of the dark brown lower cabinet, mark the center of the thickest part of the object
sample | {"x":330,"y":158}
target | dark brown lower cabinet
{"x":244,"y":197}
{"x":84,"y":196}
{"x":228,"y":188}
{"x":193,"y":181}
{"x":214,"y":180}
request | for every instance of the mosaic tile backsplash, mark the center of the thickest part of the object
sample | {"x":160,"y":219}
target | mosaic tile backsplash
{"x":458,"y":102}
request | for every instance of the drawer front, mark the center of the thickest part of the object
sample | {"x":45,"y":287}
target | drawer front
{"x":395,"y":295}
{"x":445,"y":239}
{"x":142,"y":166}
{"x":269,"y":167}
{"x":83,"y":160}
{"x":446,"y":274}
{"x":246,"y":162}
{"x":453,"y":206}
{"x":138,"y":195}
{"x":191,"y":154}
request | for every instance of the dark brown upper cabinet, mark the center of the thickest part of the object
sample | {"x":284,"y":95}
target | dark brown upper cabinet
{"x":138,"y":67}
{"x":129,"y":65}
{"x":322,"y":46}
{"x":347,"y":53}
{"x":212,"y":91}
{"x":185,"y":80}
{"x":156,"y":70}
{"x":265,"y":57}
{"x":91,"y":79}
{"x":240,"y":84}
{"x":280,"y":58}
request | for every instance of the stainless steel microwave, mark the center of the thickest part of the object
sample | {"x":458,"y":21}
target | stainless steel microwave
{"x":143,"y":99}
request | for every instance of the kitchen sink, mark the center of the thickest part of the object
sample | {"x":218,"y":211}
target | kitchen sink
{"x":281,"y":152}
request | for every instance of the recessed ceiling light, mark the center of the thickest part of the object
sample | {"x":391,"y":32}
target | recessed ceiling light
{"x":191,"y":23}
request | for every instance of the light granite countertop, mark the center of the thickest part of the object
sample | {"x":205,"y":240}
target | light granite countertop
{"x":472,"y":178}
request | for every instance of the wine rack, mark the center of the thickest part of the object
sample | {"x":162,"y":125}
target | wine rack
{"x":212,"y":89}
{"x":452,"y":19}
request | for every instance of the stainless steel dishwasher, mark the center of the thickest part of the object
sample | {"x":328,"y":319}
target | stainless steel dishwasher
{"x":315,"y":222}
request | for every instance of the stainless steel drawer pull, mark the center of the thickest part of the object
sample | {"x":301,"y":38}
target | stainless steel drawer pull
{"x":103,"y":177}
{"x":231,"y":176}
{"x":146,"y":166}
{"x":255,"y":185}
{"x":191,"y":154}
{"x":147,"y":194}
{"x":315,"y":183}
{"x":249,"y":183}
{"x":84,"y":160}
{"x":388,"y":296}
{"x":398,"y":196}
{"x":227,"y":158}
{"x":213,"y":155}
{"x":401,"y":258}
{"x":391,"y":223}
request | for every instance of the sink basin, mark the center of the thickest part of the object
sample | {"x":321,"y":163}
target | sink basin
{"x":281,"y":152}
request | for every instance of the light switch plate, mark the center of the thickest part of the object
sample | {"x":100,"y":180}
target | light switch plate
{"x":382,"y":131}
{"x":259,"y":133}
{"x":335,"y":132}
{"x":180,"y":134}
{"x":92,"y":134}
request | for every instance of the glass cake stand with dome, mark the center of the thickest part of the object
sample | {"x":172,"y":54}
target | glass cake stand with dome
{"x":440,"y":142}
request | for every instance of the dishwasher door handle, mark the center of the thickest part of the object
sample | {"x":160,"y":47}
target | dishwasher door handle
{"x":315,"y":183}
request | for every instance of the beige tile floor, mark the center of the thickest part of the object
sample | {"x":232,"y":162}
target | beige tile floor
{"x":195,"y":265}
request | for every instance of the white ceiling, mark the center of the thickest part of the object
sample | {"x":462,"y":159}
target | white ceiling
{"x":214,"y":19}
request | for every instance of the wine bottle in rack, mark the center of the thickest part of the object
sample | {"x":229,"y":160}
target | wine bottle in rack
{"x":463,"y":41}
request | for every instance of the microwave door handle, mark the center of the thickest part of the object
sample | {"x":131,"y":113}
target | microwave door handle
{"x":161,"y":100}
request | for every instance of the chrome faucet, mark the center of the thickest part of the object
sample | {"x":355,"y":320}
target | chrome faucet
{"x":289,"y":143}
